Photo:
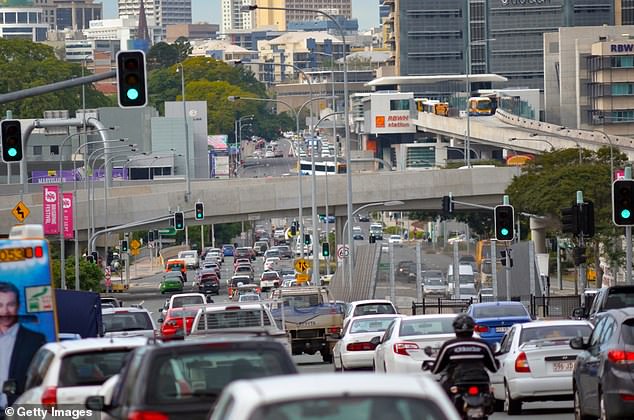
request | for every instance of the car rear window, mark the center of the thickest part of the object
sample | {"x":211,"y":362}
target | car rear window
{"x":180,"y":301}
{"x":628,"y":331}
{"x":622,"y":297}
{"x":301,"y":301}
{"x":554,"y":333}
{"x":370,"y":325}
{"x":200,"y":376}
{"x":495,"y":311}
{"x":352,"y":408}
{"x":373,"y":309}
{"x":426,"y":326}
{"x":91,"y":368}
{"x":242,"y":318}
{"x":127,"y":321}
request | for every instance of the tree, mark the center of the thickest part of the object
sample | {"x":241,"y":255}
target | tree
{"x":162,"y":55}
{"x":90,"y":274}
{"x":183,"y":47}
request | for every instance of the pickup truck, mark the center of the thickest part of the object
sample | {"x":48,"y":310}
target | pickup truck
{"x":238,"y":318}
{"x":313,"y":322}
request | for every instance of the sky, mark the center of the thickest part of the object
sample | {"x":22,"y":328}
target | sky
{"x":209,"y":11}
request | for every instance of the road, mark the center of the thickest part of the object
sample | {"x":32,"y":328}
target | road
{"x":146,"y":290}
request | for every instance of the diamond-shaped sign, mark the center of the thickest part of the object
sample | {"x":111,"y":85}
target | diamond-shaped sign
{"x":135,"y":244}
{"x":20,"y":212}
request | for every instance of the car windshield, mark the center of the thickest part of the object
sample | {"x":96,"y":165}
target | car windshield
{"x":172,"y":275}
{"x":270,"y":275}
{"x":91,"y":368}
{"x":352,"y":408}
{"x":373,"y":309}
{"x":242,"y":318}
{"x":301,"y":301}
{"x":554,"y":333}
{"x":272,"y":254}
{"x":426,"y":326}
{"x":499,"y":311}
{"x":199,"y":376}
{"x":180,"y":301}
{"x":249,"y":298}
{"x":236,"y":280}
{"x":370,"y":325}
{"x":127,"y":321}
{"x":620,"y":298}
{"x":467,"y":290}
{"x":181,"y":312}
{"x":434,"y":281}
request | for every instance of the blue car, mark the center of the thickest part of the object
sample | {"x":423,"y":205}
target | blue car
{"x":227,"y":250}
{"x":493,"y":319}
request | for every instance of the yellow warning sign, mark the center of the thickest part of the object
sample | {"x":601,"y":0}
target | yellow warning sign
{"x":20,"y":212}
{"x":135,"y":244}
{"x":302,"y":278}
{"x":302,"y":265}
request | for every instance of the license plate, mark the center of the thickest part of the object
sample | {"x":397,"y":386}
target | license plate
{"x":563,"y":366}
{"x":475,"y":413}
{"x":501,"y":329}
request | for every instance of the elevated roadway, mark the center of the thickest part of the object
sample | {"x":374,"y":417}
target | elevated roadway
{"x":239,"y":199}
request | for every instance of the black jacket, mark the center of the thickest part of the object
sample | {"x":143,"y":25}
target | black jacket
{"x":27,"y":343}
{"x":465,"y":359}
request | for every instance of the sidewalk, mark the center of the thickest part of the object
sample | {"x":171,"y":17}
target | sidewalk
{"x":144,"y":268}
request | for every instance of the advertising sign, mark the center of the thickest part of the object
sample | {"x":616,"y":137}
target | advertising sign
{"x":69,"y":229}
{"x":50,"y":207}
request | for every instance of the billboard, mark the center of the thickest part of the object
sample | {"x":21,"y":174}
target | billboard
{"x":16,"y":3}
{"x":50,"y":209}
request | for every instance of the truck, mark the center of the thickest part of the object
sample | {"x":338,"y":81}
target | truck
{"x":70,"y":303}
{"x":313,"y":322}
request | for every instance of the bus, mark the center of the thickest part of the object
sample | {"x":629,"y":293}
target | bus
{"x":322,"y":167}
{"x":432,"y":106}
{"x":480,"y":105}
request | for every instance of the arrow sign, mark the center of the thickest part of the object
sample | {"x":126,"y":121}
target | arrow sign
{"x":171,"y":231}
{"x":20,"y":212}
{"x":302,"y":265}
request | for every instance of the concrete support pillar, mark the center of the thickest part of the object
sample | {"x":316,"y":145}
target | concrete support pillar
{"x":339,"y":222}
{"x":538,"y":234}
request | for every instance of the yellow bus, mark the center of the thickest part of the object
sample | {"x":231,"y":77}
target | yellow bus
{"x":480,"y":105}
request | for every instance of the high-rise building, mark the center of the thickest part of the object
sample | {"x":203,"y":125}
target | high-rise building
{"x":158,"y":12}
{"x":267,"y":18}
{"x":234,"y":18}
{"x":332,"y":7}
{"x":624,"y":12}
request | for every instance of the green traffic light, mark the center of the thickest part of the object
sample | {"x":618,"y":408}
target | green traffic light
{"x":133,"y":94}
{"x":625,"y":213}
{"x":13,"y":152}
{"x":504,"y":231}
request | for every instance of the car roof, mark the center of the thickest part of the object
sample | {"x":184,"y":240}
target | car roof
{"x":499,"y":303}
{"x":430,"y":316}
{"x":622,"y":313}
{"x":110,"y":311}
{"x":551,"y":322}
{"x":85,"y":344}
{"x":363,"y":302}
{"x":362,"y":317}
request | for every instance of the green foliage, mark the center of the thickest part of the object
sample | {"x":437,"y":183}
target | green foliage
{"x":162,"y":55}
{"x":25,"y":64}
{"x":90,"y":274}
{"x":183,"y":47}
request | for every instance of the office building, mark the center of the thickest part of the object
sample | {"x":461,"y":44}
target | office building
{"x":332,"y":7}
{"x":76,"y":14}
{"x":191,"y":31}
{"x":159,"y":12}
{"x":624,"y":12}
{"x":275,"y":18}
{"x":23,"y":22}
{"x":122,"y":29}
{"x":234,"y":18}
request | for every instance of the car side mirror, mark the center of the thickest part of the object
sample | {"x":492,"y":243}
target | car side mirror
{"x":375,"y":340}
{"x":95,"y":403}
{"x":497,"y":348}
{"x":578,"y":343}
{"x":579,"y":313}
{"x":428,"y":351}
{"x":160,"y":320}
{"x":428,"y":365}
{"x":10,"y":387}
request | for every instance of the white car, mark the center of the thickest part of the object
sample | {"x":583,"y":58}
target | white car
{"x":269,"y":154}
{"x":395,"y":239}
{"x":190,"y":257}
{"x":536,"y":362}
{"x":369,"y":307}
{"x":359,"y":337}
{"x":127,"y":322}
{"x":271,"y":263}
{"x":401,"y":349}
{"x":67,"y":372}
{"x":335,"y":396}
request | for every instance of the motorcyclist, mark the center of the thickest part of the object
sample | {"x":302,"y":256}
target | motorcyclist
{"x":464,"y":359}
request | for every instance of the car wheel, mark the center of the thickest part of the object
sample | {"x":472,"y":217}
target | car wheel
{"x":578,"y":407}
{"x":511,"y":406}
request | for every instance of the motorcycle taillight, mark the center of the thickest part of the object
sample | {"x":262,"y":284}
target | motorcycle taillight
{"x":473,"y":390}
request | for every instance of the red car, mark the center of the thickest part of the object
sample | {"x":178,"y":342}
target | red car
{"x":173,"y":322}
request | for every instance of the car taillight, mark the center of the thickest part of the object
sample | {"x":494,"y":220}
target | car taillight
{"x":49,"y":397}
{"x":627,"y":397}
{"x":172,"y":323}
{"x":481,"y":328}
{"x":473,"y":390}
{"x":621,"y":356}
{"x":147,"y":415}
{"x":402,"y":348}
{"x":333,"y":330}
{"x":521,"y":364}
{"x":360,"y":346}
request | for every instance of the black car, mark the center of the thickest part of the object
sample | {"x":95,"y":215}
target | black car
{"x":406,"y":270}
{"x":603,"y":376}
{"x":209,"y":286}
{"x":613,"y":297}
{"x":183,"y":379}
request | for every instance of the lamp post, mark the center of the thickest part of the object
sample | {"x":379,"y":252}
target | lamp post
{"x":552,"y":148}
{"x":345,"y":227}
{"x":187,"y":176}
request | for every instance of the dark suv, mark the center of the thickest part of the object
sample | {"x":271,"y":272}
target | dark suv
{"x":183,"y":379}
{"x":406,"y":270}
{"x":613,"y":297}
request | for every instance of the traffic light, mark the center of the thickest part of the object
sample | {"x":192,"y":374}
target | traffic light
{"x":586,"y":219}
{"x":11,"y":141}
{"x":200,"y":211}
{"x":150,"y":236}
{"x":447,"y":205}
{"x":503,"y":258}
{"x":179,"y":220}
{"x":623,"y":202}
{"x":90,"y":258}
{"x":131,"y":79}
{"x":504,"y":222}
{"x":306,"y":239}
{"x":293,"y":229}
{"x":325,"y":249}
{"x":124,"y":246}
{"x":570,"y":219}
{"x":579,"y":255}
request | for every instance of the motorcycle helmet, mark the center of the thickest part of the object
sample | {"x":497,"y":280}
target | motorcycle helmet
{"x":463,"y":323}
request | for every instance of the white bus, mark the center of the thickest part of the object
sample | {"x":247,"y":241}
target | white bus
{"x":322,"y":167}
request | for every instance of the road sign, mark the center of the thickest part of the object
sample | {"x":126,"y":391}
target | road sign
{"x":134,"y":251}
{"x":20,"y":212}
{"x":302,"y":265}
{"x":342,"y":251}
{"x":302,"y":278}
{"x":135,"y":244}
{"x":170,"y":231}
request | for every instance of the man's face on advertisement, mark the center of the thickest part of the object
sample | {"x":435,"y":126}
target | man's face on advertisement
{"x":8,"y":310}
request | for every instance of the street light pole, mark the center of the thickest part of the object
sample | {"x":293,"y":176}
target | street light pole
{"x":187,"y":175}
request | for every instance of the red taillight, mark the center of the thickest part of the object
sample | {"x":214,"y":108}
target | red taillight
{"x":232,"y":308}
{"x":39,"y":252}
{"x":620,"y":356}
{"x":627,"y":397}
{"x":360,"y":346}
{"x":147,"y":415}
{"x":473,"y":390}
{"x":521,"y":364}
{"x":334,"y":330}
{"x":481,"y":328}
{"x":402,"y":348}
{"x":49,"y":397}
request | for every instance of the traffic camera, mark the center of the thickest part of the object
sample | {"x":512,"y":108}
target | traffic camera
{"x":623,"y":202}
{"x":11,"y":141}
{"x":504,"y":222}
{"x":179,"y":220}
{"x":200,"y":211}
{"x":131,"y":79}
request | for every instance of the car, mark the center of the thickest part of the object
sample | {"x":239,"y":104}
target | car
{"x":406,"y":270}
{"x":269,"y":279}
{"x":208,"y":265}
{"x":395,"y":239}
{"x":273,"y":252}
{"x":470,"y":260}
{"x":244,"y":269}
{"x":335,"y":396}
{"x":369,"y":307}
{"x":358,"y":237}
{"x":536,"y":362}
{"x":364,"y":218}
{"x":65,"y":373}
{"x":208,"y":273}
{"x":434,"y":284}
{"x":235,"y":282}
{"x":209,"y":284}
{"x":186,"y":299}
{"x":112,"y":300}
{"x":269,"y":154}
{"x":613,"y":297}
{"x":241,"y":261}
{"x":467,"y":291}
{"x":107,"y":306}
{"x":603,"y":378}
{"x":401,"y":347}
{"x":271,"y":263}
{"x":285,"y":252}
{"x":190,"y":257}
{"x":183,"y":379}
{"x":172,"y":323}
{"x":493,"y":319}
{"x":227,"y":250}
{"x":244,"y":252}
{"x":260,"y":247}
{"x":127,"y":322}
{"x":355,"y":348}
{"x":249,"y":297}
{"x":171,"y":282}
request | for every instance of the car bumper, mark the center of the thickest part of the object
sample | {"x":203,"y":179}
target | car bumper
{"x":357,"y":359}
{"x":405,"y":364}
{"x":536,"y":389}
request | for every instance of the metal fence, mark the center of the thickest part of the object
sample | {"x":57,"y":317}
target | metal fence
{"x":538,"y":306}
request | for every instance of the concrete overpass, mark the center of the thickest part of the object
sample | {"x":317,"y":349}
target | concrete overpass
{"x":239,"y":199}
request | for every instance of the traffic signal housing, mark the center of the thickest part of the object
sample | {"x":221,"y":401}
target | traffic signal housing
{"x":179,"y":220}
{"x":623,"y":202}
{"x":131,"y":79}
{"x":11,"y":133}
{"x":504,"y":222}
{"x":570,"y":220}
{"x":447,"y":205}
{"x":293,"y":229}
{"x":306,"y":239}
{"x":579,"y":255}
{"x":586,"y":219}
{"x":325,"y":249}
{"x":150,"y":236}
{"x":200,"y":211}
{"x":124,"y":246}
